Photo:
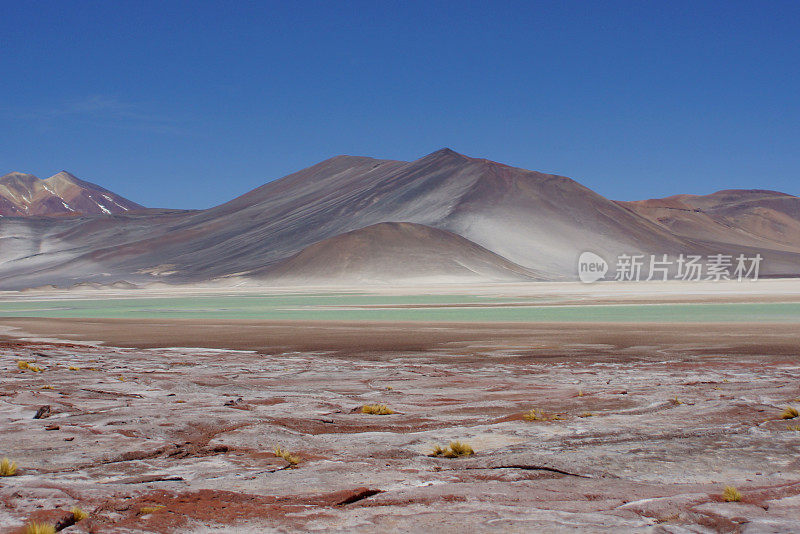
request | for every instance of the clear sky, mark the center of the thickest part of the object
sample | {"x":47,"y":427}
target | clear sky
{"x":189,"y":104}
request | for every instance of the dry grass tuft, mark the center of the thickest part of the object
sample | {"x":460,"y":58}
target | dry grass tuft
{"x":461,"y":449}
{"x":586,"y":414}
{"x":74,"y":368}
{"x":731,"y":494}
{"x":538,"y":415}
{"x":377,"y":409}
{"x":293,"y":459}
{"x":78,"y":514}
{"x":535,"y":415}
{"x":7,"y":468}
{"x":48,"y":386}
{"x":796,"y":428}
{"x":28,"y":366}
{"x":790,"y":413}
{"x":456,"y":449}
{"x":39,"y":528}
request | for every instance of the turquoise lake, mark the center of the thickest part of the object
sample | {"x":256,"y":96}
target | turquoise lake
{"x":368,"y":307}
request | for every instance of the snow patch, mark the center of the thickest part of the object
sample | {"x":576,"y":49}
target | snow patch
{"x":114,"y":202}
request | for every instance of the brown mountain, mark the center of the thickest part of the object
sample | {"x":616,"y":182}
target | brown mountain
{"x":753,"y":217}
{"x":24,"y":195}
{"x":396,"y":251}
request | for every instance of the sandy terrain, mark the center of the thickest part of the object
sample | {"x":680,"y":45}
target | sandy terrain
{"x":653,"y":422}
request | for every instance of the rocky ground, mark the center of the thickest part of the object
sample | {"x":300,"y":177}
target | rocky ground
{"x":636,"y":436}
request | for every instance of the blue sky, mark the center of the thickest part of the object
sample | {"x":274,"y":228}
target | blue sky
{"x":189,"y":104}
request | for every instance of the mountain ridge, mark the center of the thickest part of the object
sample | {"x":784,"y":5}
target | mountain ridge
{"x":757,"y":217}
{"x":536,"y":221}
{"x":62,"y":194}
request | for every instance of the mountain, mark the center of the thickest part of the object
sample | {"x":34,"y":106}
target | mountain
{"x":529,"y":218}
{"x":24,"y":195}
{"x":753,"y":217}
{"x":325,"y":222}
{"x":371,"y":254}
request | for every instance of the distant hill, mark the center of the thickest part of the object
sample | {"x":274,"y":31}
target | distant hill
{"x":372,"y":254}
{"x":754,"y":217}
{"x":25,"y":195}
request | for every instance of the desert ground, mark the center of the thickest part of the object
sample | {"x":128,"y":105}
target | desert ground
{"x":170,"y":424}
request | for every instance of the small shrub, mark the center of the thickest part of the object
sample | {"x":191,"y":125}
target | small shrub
{"x":144,"y":510}
{"x":461,"y":449}
{"x":293,"y":459}
{"x":74,"y":368}
{"x":731,"y":494}
{"x":796,"y":428}
{"x":78,"y":514}
{"x":676,"y":401}
{"x":534,"y":415}
{"x":22,"y":365}
{"x":7,"y":468}
{"x":39,"y":528}
{"x":586,"y":414}
{"x":377,"y":409}
{"x":790,"y":413}
{"x":48,"y":386}
{"x":455,"y":449}
{"x":538,"y":415}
